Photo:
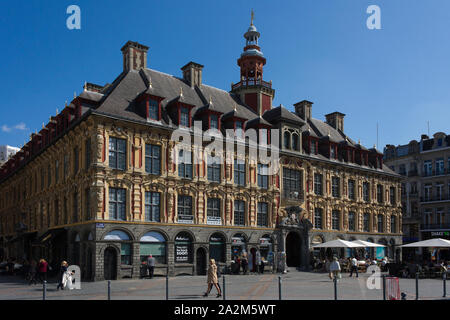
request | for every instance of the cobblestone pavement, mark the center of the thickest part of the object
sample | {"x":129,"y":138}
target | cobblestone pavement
{"x":294,"y":286}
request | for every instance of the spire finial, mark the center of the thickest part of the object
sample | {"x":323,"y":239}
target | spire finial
{"x":234,"y":106}
{"x":74,"y":94}
{"x":210,"y":99}
{"x":85,"y":86}
{"x":253,"y":16}
{"x":57,"y":111}
{"x":181,"y":91}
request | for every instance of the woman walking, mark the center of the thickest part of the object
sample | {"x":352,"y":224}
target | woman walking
{"x":42,"y":269}
{"x":62,"y":273}
{"x":212,"y":278}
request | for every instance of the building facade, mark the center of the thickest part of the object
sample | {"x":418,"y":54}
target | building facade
{"x":104,"y":184}
{"x":425,"y":164}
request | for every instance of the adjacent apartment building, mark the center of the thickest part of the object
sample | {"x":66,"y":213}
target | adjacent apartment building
{"x":102,"y":187}
{"x":425,"y":164}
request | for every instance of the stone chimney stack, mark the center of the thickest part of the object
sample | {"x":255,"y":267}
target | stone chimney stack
{"x":192,"y":73}
{"x":303,"y":109}
{"x":134,"y":56}
{"x":336,"y":120}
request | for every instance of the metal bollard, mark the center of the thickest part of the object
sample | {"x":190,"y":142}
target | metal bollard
{"x":444,"y":278}
{"x":44,"y":290}
{"x":384,"y":287}
{"x":109,"y":289}
{"x":223,"y":293}
{"x":279,"y":288}
{"x":417,"y":286}
{"x":167,"y":287}
{"x":335,"y":287}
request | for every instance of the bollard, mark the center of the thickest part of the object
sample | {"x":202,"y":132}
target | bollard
{"x":109,"y":289}
{"x":167,"y":287}
{"x":384,"y":287}
{"x":444,"y":278}
{"x":417,"y":286}
{"x":335,"y":287}
{"x":224,"y":297}
{"x":44,"y":290}
{"x":279,"y":287}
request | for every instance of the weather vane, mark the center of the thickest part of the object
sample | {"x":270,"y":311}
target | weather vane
{"x":253,"y":16}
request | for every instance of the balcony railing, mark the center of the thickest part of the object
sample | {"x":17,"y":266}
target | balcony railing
{"x":435,"y":226}
{"x":251,"y":83}
{"x":434,"y":199}
{"x":434,"y":173}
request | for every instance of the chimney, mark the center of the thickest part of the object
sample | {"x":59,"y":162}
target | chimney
{"x":424,"y":137}
{"x":134,"y":56}
{"x":336,"y":120}
{"x":303,"y":109}
{"x":192,"y":73}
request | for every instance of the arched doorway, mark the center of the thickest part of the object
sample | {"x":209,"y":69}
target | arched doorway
{"x":110,"y":264}
{"x":293,"y":244}
{"x":201,"y":261}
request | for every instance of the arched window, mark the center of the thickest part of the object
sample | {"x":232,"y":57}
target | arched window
{"x":380,"y":223}
{"x":217,"y":247}
{"x":125,"y":245}
{"x":295,"y":144}
{"x":153,"y":243}
{"x":266,"y":248}
{"x":287,"y":140}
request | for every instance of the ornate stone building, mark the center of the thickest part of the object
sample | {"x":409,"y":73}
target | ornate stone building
{"x":425,"y":164}
{"x":102,"y":187}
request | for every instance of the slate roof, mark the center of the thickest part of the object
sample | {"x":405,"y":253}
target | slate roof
{"x":280,"y":113}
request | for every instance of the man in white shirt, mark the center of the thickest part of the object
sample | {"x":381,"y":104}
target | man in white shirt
{"x":354,"y":267}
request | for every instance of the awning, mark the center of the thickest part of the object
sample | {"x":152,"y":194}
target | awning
{"x":49,"y":234}
{"x":434,"y":243}
{"x":338,"y":244}
{"x":368,"y":244}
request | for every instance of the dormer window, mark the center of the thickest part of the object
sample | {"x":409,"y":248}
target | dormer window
{"x":313,"y":146}
{"x":287,"y":140}
{"x":332,"y":152}
{"x":239,"y":128}
{"x":153,"y":109}
{"x":295,"y":145}
{"x":184,"y":117}
{"x":214,"y":122}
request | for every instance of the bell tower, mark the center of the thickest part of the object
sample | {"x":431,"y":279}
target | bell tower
{"x":252,"y":89}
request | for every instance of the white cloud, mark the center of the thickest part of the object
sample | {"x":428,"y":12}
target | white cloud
{"x":5,"y":128}
{"x":21,"y":126}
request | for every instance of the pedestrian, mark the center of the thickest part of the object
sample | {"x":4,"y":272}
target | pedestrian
{"x":335,"y":269}
{"x":212,"y":279}
{"x":150,"y":265}
{"x":250,"y":262}
{"x":62,"y":272}
{"x":42,"y":269}
{"x":258,"y":261}
{"x":244,"y":263}
{"x":353,"y":266}
{"x":261,"y":267}
{"x":33,"y":272}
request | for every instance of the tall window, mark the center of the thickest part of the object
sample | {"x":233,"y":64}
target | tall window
{"x":184,"y":117}
{"x":351,"y":221}
{"x":153,"y":159}
{"x":185,"y":164}
{"x":318,"y":184}
{"x":75,"y":207}
{"x":153,"y":109}
{"x":87,"y":155}
{"x":332,"y":152}
{"x":117,"y":153}
{"x":287,"y":140}
{"x":292,"y":183}
{"x":49,"y":176}
{"x":318,"y":218}
{"x":366,"y":222}
{"x":185,"y":209}
{"x":439,"y":166}
{"x":295,"y":140}
{"x":76,"y":157}
{"x":239,"y":213}
{"x":152,"y":206}
{"x":239,"y":172}
{"x":366,"y":191}
{"x":213,"y":211}
{"x":392,"y":195}
{"x":66,"y":166}
{"x":379,"y":193}
{"x":335,"y":187}
{"x":87,"y":199}
{"x":313,"y":147}
{"x":263,"y":176}
{"x":117,"y":201}
{"x":380,"y":223}
{"x":393,"y":225}
{"x":427,"y":192}
{"x":427,"y":168}
{"x":214,"y":169}
{"x":263,"y":214}
{"x":351,"y":189}
{"x":57,"y":217}
{"x":335,"y":219}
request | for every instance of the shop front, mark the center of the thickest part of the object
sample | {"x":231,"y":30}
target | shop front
{"x":238,"y":245}
{"x":217,"y":247}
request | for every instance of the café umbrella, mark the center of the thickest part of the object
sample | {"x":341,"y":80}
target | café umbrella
{"x":431,"y":243}
{"x":338,"y":244}
{"x":368,"y":244}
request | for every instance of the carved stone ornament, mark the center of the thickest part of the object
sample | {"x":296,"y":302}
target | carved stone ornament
{"x":295,"y":219}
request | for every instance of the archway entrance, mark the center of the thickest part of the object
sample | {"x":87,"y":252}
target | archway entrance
{"x":293,"y":244}
{"x":201,"y":261}
{"x":110,"y":264}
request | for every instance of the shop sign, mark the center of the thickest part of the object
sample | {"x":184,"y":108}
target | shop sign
{"x":100,"y":225}
{"x":440,"y":233}
{"x":217,"y":221}
{"x":264,"y":242}
{"x":237,"y":241}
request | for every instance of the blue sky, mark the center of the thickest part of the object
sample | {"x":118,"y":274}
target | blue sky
{"x":319,"y":50}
